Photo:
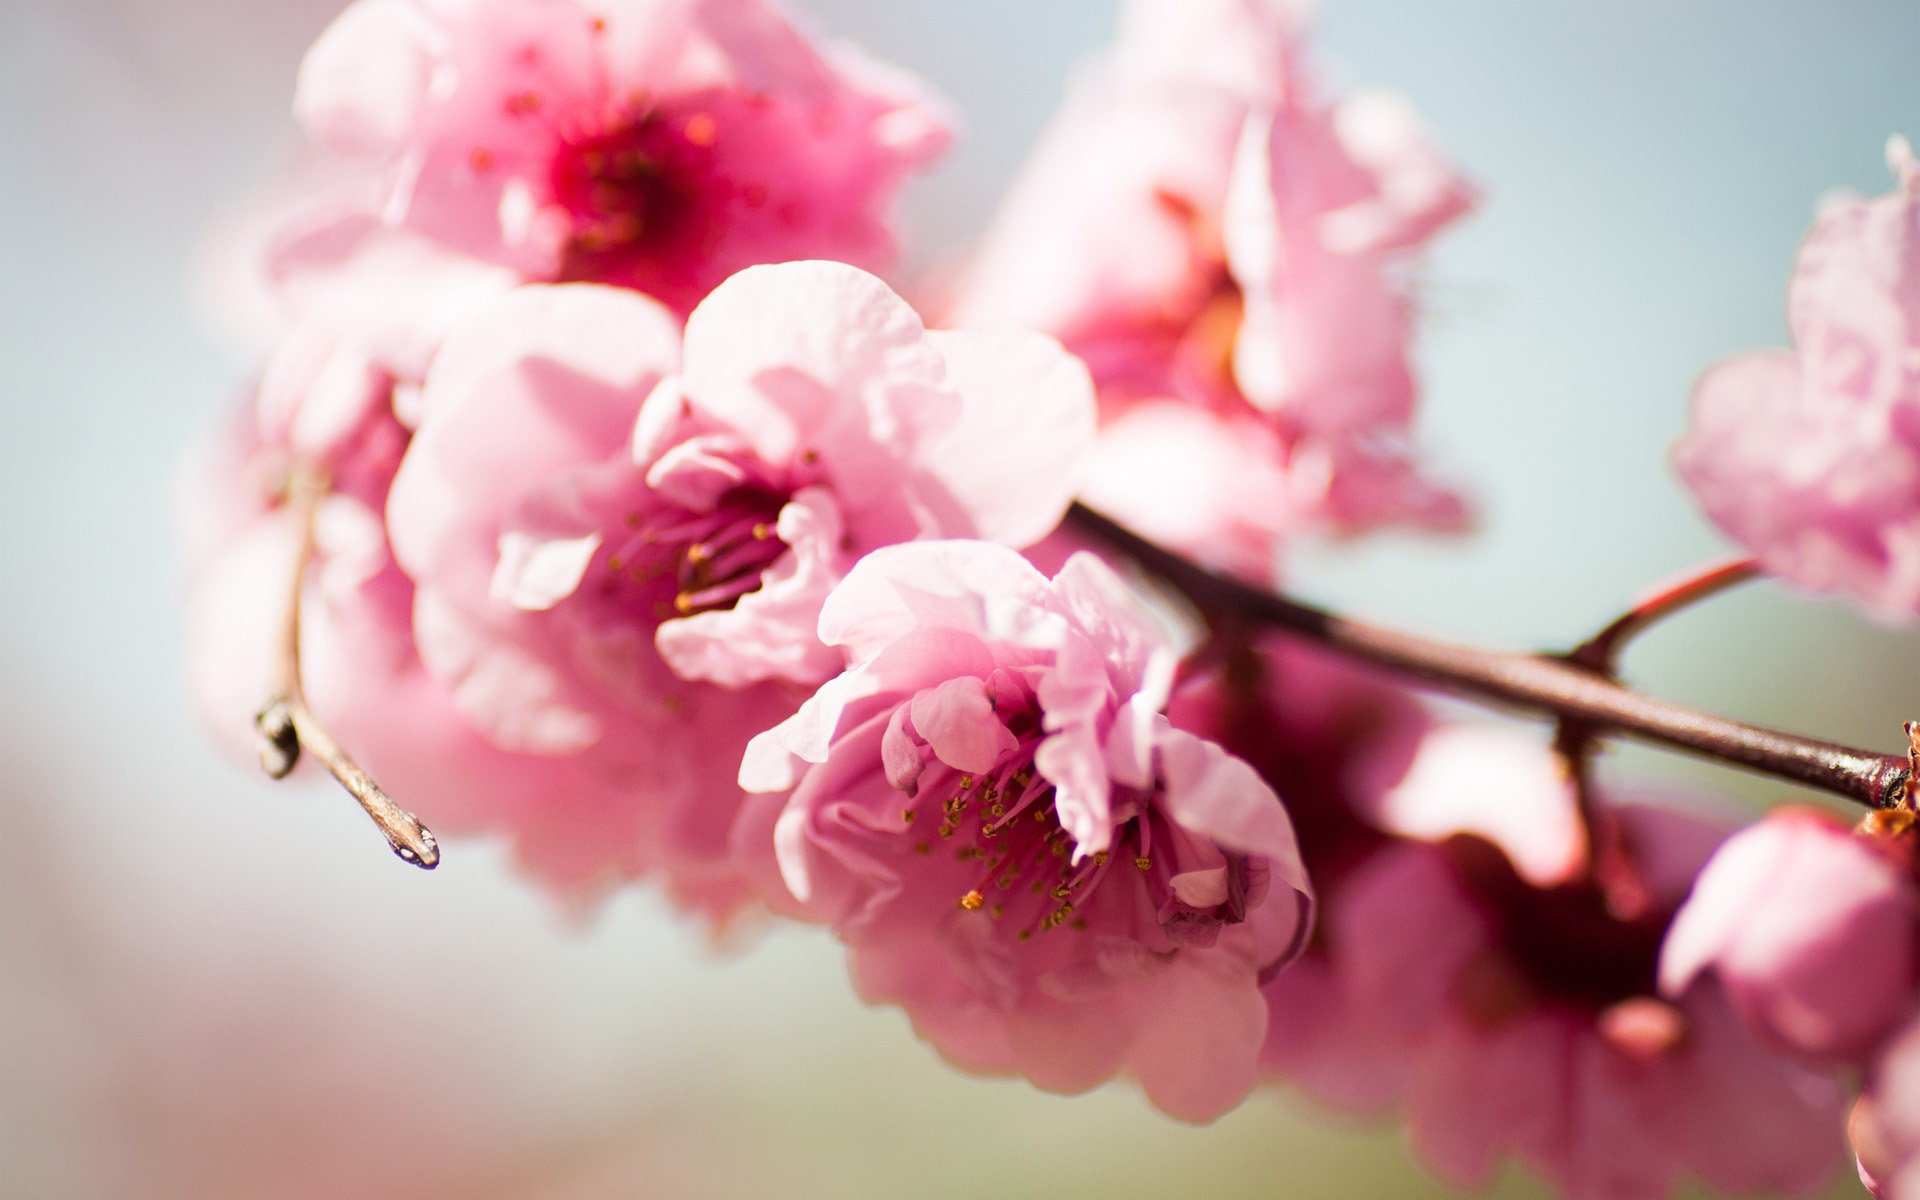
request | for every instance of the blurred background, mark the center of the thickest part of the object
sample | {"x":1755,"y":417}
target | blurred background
{"x":213,"y":987}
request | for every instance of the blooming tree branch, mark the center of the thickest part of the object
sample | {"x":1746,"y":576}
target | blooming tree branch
{"x":623,"y":505}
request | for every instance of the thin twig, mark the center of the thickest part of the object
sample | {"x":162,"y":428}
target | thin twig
{"x":1610,"y":861}
{"x":287,"y":726}
{"x":1601,"y":652}
{"x":1540,"y":683}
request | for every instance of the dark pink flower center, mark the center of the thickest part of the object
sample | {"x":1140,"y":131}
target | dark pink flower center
{"x":636,"y":192}
{"x":672,"y":562}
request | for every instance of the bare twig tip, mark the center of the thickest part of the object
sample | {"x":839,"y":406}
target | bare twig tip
{"x":279,"y":741}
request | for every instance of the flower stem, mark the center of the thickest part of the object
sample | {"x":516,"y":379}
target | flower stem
{"x":1540,"y":683}
{"x":287,"y":726}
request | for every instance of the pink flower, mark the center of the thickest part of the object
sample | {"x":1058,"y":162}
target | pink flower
{"x":1813,"y":934}
{"x":1811,"y":457}
{"x":992,"y":811}
{"x":1204,"y":232}
{"x":661,"y":146}
{"x":1556,"y":1048}
{"x":1886,"y":1122}
{"x":621,"y":537}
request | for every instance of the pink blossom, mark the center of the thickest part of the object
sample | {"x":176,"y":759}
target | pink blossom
{"x":470,"y":144}
{"x":1019,"y":848}
{"x":1203,"y":231}
{"x":1886,"y":1123}
{"x":1813,"y":933}
{"x":1811,"y":457}
{"x":1510,"y":1020}
{"x":1557,"y":1049}
{"x":622,"y":536}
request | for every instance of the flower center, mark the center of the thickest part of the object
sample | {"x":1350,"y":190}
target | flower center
{"x":1564,"y":942}
{"x":679,"y":563}
{"x":1004,"y":824}
{"x":633,"y":191}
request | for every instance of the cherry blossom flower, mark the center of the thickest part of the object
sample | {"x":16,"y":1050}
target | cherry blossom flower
{"x":1514,"y":1019}
{"x":1813,"y":933}
{"x":1204,"y":232}
{"x":1810,"y":457}
{"x":466,"y":145}
{"x":621,"y":537}
{"x":1556,"y":1048}
{"x":1018,"y":847}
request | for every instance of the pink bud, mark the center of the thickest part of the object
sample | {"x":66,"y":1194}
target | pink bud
{"x":1811,"y":931}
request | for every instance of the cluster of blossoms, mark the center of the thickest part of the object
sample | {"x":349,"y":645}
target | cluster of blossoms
{"x":598,"y":495}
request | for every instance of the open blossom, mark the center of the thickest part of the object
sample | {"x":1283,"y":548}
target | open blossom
{"x":621,"y":537}
{"x":1207,"y":234}
{"x":656,"y":144}
{"x":991,"y":809}
{"x":1810,"y":457}
{"x":1812,"y":931}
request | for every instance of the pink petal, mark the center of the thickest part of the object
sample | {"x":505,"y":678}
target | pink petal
{"x":1489,"y":782}
{"x":536,"y":575}
{"x":1017,"y":452}
{"x":813,"y":356}
{"x":362,"y":83}
{"x":1213,"y":794}
{"x":540,"y":381}
{"x":889,"y":591}
{"x":957,"y":719}
{"x":1197,"y":1045}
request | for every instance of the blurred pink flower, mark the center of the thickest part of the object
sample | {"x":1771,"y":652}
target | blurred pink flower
{"x":1203,"y":231}
{"x":1811,"y":457}
{"x":621,"y":544}
{"x":469,"y":144}
{"x":1020,"y":849}
{"x":1886,"y":1122}
{"x":1812,"y":932}
{"x":1556,"y":1049}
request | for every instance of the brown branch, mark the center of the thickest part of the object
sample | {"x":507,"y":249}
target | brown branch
{"x":1545,"y":684}
{"x":287,"y":726}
